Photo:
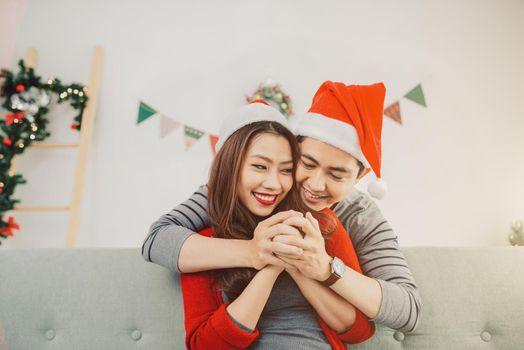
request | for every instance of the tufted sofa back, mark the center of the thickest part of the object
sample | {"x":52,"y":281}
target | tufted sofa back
{"x":473,"y":298}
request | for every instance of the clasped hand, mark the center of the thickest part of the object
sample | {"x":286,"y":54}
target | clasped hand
{"x":293,"y":242}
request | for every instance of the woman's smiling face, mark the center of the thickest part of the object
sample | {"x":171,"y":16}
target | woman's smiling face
{"x":266,"y":175}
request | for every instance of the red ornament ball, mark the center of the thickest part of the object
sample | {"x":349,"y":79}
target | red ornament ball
{"x":20,"y":88}
{"x":74,"y":126}
{"x":7,"y":141}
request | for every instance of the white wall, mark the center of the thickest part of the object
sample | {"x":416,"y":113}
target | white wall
{"x":455,"y":170}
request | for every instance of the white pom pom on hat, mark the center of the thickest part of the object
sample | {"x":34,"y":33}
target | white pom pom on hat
{"x":255,"y":111}
{"x":349,"y":117}
{"x":378,"y":188}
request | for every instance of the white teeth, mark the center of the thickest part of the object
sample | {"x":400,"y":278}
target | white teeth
{"x":265,"y":198}
{"x":311,"y":194}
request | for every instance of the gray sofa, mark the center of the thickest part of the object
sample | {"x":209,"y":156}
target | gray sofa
{"x":473,"y":298}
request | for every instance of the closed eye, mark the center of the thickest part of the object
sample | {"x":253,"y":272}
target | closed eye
{"x":307,"y":165}
{"x":259,"y":166}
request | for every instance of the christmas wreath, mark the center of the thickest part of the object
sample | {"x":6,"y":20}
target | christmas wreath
{"x":27,"y":99}
{"x":272,"y":93}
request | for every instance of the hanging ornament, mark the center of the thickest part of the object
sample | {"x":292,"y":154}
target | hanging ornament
{"x":11,"y":225}
{"x":271,"y":92}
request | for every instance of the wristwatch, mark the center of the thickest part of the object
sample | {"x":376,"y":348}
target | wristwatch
{"x":337,"y":270}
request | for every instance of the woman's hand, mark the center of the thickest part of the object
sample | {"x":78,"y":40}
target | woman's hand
{"x":314,"y":262}
{"x":262,"y":246}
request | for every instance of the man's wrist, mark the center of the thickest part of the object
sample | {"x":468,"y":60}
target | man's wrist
{"x":326,"y":269}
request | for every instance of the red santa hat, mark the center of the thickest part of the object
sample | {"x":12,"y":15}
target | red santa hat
{"x":255,"y":111}
{"x":349,"y":117}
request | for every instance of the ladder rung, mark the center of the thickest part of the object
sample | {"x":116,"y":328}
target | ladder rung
{"x":54,"y":145}
{"x":41,"y":208}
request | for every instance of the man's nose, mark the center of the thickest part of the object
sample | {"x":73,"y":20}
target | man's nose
{"x":317,"y":182}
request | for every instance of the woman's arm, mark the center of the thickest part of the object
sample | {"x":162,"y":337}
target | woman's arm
{"x":247,"y":307}
{"x":213,"y":326}
{"x":173,"y":243}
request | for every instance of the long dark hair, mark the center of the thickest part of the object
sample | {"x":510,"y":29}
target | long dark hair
{"x":229,"y":218}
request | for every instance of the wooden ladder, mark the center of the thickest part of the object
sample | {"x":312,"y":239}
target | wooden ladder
{"x":86,"y":132}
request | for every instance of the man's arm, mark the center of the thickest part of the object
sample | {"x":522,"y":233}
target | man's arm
{"x":168,"y":234}
{"x":380,"y":258}
{"x":172,"y":241}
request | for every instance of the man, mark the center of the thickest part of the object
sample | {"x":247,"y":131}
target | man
{"x":340,"y":143}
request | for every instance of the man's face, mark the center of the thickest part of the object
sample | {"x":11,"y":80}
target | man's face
{"x":325,"y":174}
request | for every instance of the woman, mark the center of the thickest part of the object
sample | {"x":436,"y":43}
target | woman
{"x":387,"y":292}
{"x":252,"y":177}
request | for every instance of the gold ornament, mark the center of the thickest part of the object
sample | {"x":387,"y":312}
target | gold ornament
{"x":516,"y":237}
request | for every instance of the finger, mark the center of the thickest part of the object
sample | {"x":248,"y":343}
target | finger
{"x":292,"y":257}
{"x":304,"y":224}
{"x":282,"y":229}
{"x":312,"y":219}
{"x":291,"y":240}
{"x":288,"y":265}
{"x":273,"y":260}
{"x":292,"y":262}
{"x":282,"y":248}
{"x":279,"y":217}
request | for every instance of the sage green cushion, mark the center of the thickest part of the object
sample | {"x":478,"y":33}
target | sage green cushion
{"x":473,"y":298}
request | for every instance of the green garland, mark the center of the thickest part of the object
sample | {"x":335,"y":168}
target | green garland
{"x":27,"y":99}
{"x":272,"y":94}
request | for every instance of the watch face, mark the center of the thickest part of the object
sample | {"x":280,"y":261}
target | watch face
{"x":338,"y":267}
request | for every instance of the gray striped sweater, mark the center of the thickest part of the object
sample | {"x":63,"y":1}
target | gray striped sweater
{"x":375,"y":243}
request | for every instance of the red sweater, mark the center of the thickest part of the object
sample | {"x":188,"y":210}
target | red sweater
{"x":208,"y":325}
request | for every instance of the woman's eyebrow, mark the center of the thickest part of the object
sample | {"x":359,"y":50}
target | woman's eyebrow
{"x":269,"y":160}
{"x":262,"y":157}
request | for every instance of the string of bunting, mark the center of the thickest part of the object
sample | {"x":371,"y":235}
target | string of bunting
{"x":168,"y":125}
{"x":416,"y":95}
{"x":271,"y":93}
{"x":27,"y":99}
{"x":267,"y":91}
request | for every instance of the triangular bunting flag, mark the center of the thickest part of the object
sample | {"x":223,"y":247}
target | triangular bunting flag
{"x":417,"y":95}
{"x":213,"y":139}
{"x":192,"y":135}
{"x":167,"y":125}
{"x":393,"y":111}
{"x":144,"y":112}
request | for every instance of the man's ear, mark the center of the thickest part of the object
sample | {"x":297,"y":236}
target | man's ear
{"x":364,"y":173}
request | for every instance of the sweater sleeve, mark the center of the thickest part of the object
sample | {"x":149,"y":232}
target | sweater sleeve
{"x":380,"y":258}
{"x":207,"y":323}
{"x":361,"y":330}
{"x":167,"y":234}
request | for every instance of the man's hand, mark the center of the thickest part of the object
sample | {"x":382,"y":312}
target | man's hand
{"x":262,"y":246}
{"x":314,"y":262}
